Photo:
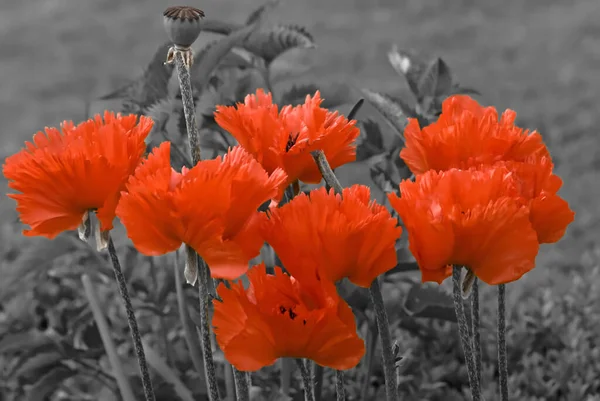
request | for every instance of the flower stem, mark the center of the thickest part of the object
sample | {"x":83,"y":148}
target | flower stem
{"x":209,"y":363}
{"x":463,"y":329}
{"x":317,"y":378}
{"x":339,"y":386}
{"x":109,"y":346}
{"x":309,"y":393}
{"x":502,"y":358}
{"x":185,"y":84}
{"x":241,"y":385}
{"x":383,"y":325}
{"x":476,"y":324}
{"x":190,"y":335}
{"x":133,"y":326}
{"x":326,"y":171}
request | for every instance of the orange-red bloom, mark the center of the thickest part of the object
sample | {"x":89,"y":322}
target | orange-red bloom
{"x":212,"y":207}
{"x":468,"y":217}
{"x":334,"y":236}
{"x":285,"y":138}
{"x":469,"y":135}
{"x":65,"y":173}
{"x":279,"y":316}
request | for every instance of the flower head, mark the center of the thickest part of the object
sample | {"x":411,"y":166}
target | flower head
{"x":334,"y":236}
{"x":279,"y":316}
{"x":286,"y":138}
{"x":212,"y":207}
{"x":468,"y":135}
{"x":467,"y":217}
{"x":65,"y":173}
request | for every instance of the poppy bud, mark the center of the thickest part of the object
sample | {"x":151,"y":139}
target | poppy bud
{"x":183,"y":25}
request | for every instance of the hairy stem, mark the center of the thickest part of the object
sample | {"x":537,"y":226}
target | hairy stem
{"x":185,"y":84}
{"x":131,"y":320}
{"x":383,"y":325}
{"x":307,"y":383}
{"x":339,"y":386}
{"x":463,"y":329}
{"x":476,"y":324}
{"x":241,"y":385}
{"x":190,"y":335}
{"x":109,"y":345}
{"x":317,"y":378}
{"x":502,"y":358}
{"x":326,"y":171}
{"x":209,"y":363}
{"x":285,"y":375}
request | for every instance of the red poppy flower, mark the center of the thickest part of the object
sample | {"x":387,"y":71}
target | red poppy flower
{"x":212,"y":207}
{"x":286,"y":138}
{"x":334,"y":236}
{"x":468,"y":217}
{"x":279,"y":316}
{"x":65,"y":173}
{"x":469,"y":135}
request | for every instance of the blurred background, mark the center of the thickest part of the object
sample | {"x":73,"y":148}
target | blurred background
{"x":540,"y":58}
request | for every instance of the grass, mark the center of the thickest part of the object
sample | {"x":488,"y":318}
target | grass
{"x":538,"y":57}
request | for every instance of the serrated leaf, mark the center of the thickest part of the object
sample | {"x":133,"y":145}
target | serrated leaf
{"x":207,"y":60}
{"x":15,"y":342}
{"x":389,"y":110}
{"x":371,"y":141}
{"x":436,"y":81}
{"x":272,"y":43}
{"x":151,"y":87}
{"x":37,"y":364}
{"x":49,"y":383}
{"x":220,"y":27}
{"x":429,"y":301}
{"x":263,"y":9}
{"x":460,"y":90}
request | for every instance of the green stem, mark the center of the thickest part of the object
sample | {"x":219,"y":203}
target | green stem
{"x":502,"y":357}
{"x":339,"y":386}
{"x":241,"y":385}
{"x":317,"y":379}
{"x":383,"y":325}
{"x":132,"y":321}
{"x":307,"y":383}
{"x":463,"y":329}
{"x":476,"y":324}
{"x":326,"y":171}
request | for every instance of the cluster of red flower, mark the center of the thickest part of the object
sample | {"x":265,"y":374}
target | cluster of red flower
{"x":484,"y":197}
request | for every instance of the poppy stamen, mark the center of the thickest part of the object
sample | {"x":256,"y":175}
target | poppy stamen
{"x":291,"y":141}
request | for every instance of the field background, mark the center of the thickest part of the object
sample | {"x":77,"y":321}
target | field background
{"x":538,"y":57}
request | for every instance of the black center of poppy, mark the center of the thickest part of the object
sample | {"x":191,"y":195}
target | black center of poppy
{"x":290,"y":312}
{"x":291,"y":141}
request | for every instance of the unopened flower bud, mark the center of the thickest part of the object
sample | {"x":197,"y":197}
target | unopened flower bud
{"x":183,"y":25}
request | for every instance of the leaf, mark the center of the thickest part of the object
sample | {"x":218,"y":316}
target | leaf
{"x":435,"y":81}
{"x":429,"y":301}
{"x":389,"y":110}
{"x":220,"y":27}
{"x":460,"y":90}
{"x":272,"y":43}
{"x":36,"y":364}
{"x":161,"y":367}
{"x":49,"y":383}
{"x":207,"y":60}
{"x":151,"y":87}
{"x":261,"y":11}
{"x":371,"y":142}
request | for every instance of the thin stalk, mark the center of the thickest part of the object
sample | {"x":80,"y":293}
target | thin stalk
{"x":307,"y":383}
{"x":463,"y":329}
{"x":229,"y":381}
{"x":339,"y":386}
{"x":502,"y":358}
{"x":133,"y":326}
{"x":185,"y":84}
{"x":383,"y":325}
{"x":190,"y":334}
{"x":209,"y":363}
{"x":285,"y":375}
{"x":326,"y":171}
{"x":241,"y":385}
{"x":476,"y":324}
{"x":109,"y":345}
{"x":317,"y":378}
{"x":161,"y":319}
{"x":372,"y":333}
